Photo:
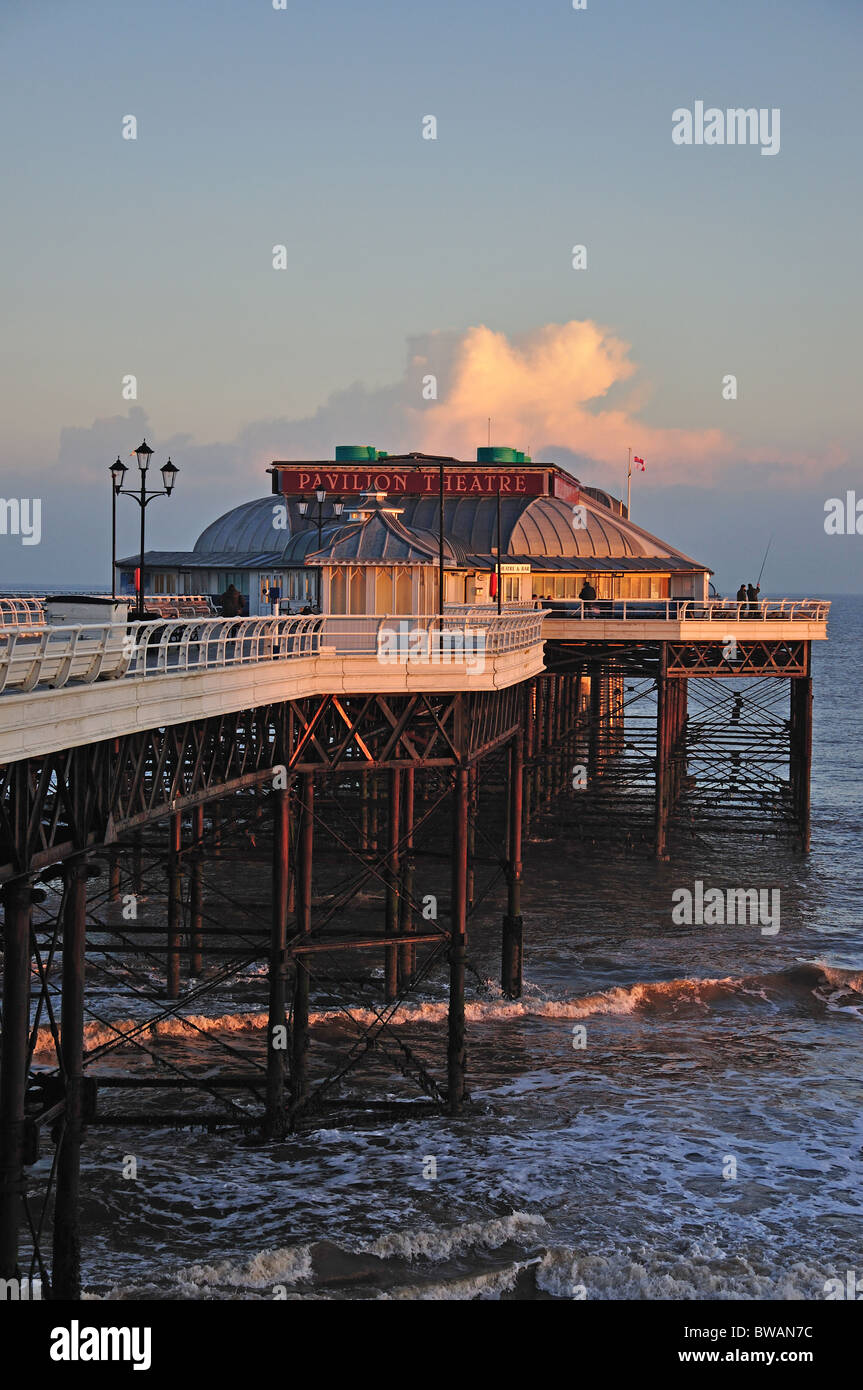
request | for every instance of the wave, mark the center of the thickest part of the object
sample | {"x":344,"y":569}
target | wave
{"x":422,"y":1265}
{"x":373,"y":1265}
{"x":443,"y":1243}
{"x":835,"y":987}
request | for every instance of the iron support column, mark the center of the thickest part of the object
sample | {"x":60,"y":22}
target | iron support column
{"x":456,"y":1050}
{"x":277,"y":1025}
{"x":513,"y":925}
{"x":391,"y":961}
{"x":175,"y":905}
{"x":801,"y":754}
{"x":196,"y":894}
{"x":66,"y":1275}
{"x":663,"y":741}
{"x":13,"y":1066}
{"x":300,"y":1031}
{"x":407,"y":962}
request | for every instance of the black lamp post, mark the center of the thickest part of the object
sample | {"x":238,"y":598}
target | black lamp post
{"x":118,"y":472}
{"x":320,"y":498}
{"x":169,"y":477}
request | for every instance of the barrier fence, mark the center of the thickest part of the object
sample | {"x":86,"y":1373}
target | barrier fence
{"x":82,"y":653}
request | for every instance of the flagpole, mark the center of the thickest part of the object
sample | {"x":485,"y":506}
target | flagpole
{"x":628,"y":480}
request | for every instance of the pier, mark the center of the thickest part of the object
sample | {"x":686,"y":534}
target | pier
{"x":302,"y":775}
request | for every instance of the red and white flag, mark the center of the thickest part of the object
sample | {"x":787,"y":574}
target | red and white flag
{"x":638,"y":462}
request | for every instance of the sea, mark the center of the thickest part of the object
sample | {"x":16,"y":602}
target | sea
{"x":670,"y":1112}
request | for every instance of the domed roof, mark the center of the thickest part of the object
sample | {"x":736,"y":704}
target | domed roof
{"x":380,"y":538}
{"x":249,"y":527}
{"x":534,"y":527}
{"x":531,"y":528}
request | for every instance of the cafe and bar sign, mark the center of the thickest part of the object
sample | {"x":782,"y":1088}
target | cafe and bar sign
{"x":395,"y":482}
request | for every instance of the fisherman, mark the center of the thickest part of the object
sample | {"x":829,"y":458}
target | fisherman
{"x":231,"y":602}
{"x":587,"y":591}
{"x":752,"y":592}
{"x":741,"y":594}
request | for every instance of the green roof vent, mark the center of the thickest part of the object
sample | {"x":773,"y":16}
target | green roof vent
{"x":495,"y":454}
{"x":355,"y":453}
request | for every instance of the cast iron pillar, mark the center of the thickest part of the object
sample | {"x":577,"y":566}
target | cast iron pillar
{"x":456,"y":1049}
{"x":663,"y":750}
{"x":175,"y":905}
{"x":277,"y":1023}
{"x":801,"y":753}
{"x":407,"y":954}
{"x":66,"y":1274}
{"x":13,"y":1066}
{"x":300,"y":1030}
{"x":513,"y":924}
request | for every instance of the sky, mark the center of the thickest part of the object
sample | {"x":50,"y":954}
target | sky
{"x":408,"y":257}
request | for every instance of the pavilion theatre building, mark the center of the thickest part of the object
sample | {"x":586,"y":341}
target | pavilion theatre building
{"x":361,"y":534}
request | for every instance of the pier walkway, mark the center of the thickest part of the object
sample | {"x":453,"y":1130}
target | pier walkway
{"x":69,"y":685}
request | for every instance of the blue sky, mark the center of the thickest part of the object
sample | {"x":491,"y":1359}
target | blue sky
{"x":302,"y":127}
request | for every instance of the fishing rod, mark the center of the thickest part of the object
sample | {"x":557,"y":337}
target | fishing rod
{"x":763,"y":562}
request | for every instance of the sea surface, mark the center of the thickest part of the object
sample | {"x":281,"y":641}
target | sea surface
{"x":703,"y":1143}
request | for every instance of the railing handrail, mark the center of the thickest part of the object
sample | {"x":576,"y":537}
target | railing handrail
{"x":691,"y":609}
{"x":81,"y":652}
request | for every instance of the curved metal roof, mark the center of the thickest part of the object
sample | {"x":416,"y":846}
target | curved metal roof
{"x":538,"y":527}
{"x":249,"y":527}
{"x":380,"y":539}
{"x":532,"y":527}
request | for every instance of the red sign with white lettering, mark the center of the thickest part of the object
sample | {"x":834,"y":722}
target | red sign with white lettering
{"x":400,"y":481}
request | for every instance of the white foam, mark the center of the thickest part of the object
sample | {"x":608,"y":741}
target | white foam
{"x":289,"y":1265}
{"x":441,"y":1243}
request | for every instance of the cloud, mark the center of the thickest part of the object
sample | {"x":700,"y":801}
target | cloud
{"x":570,"y":392}
{"x":545,"y":392}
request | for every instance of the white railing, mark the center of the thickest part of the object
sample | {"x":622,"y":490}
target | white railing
{"x":80,"y":654}
{"x":58,"y":656}
{"x":378,"y":634}
{"x":721,"y":610}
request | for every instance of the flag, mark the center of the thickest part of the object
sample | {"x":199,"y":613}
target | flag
{"x":639,"y":461}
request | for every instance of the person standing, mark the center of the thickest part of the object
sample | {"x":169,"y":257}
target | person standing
{"x":231,"y":602}
{"x":752,"y":592}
